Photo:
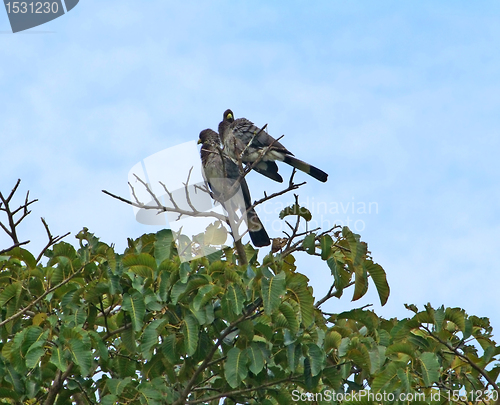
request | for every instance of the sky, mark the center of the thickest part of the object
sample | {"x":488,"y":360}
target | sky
{"x":397,"y":101}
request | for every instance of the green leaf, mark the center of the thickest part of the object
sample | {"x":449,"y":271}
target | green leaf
{"x":357,"y":249}
{"x":109,"y":399}
{"x":340,"y":275}
{"x":360,"y":283}
{"x":236,"y":297}
{"x":163,"y":245}
{"x":256,"y":358}
{"x":58,"y":359}
{"x":405,"y":376}
{"x":296,"y":209}
{"x":332,"y":340}
{"x":190,"y":332}
{"x":14,"y":378}
{"x":430,"y":368}
{"x":134,"y":305}
{"x":457,"y":316}
{"x":298,"y":290}
{"x":25,"y":256}
{"x":169,"y":348}
{"x":235,"y":367}
{"x":205,"y":294}
{"x":272,"y":290}
{"x":142,"y":264}
{"x":438,"y":318}
{"x":317,"y":359}
{"x":367,"y":318}
{"x":378,"y":276}
{"x":402,"y":347}
{"x":388,"y":377}
{"x":178,"y":289}
{"x":35,"y":339}
{"x":326,"y":243}
{"x":467,"y":329}
{"x":33,"y":356}
{"x":215,"y":234}
{"x":377,"y":358}
{"x":307,"y":373}
{"x":12,"y":291}
{"x":128,"y":339}
{"x":184,"y":271}
{"x":81,"y":355}
{"x":62,"y":253}
{"x":149,"y":338}
{"x":116,"y":386}
{"x":291,"y":317}
{"x":309,"y":243}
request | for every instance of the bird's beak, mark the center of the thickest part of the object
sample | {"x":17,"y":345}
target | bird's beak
{"x":230,"y":116}
{"x":199,"y":142}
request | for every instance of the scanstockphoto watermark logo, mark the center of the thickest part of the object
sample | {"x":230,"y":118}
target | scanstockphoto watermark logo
{"x":24,"y":15}
{"x":362,"y":396}
{"x":172,"y":178}
{"x":325,"y":214}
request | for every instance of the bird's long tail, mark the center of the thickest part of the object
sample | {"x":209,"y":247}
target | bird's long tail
{"x":256,"y":230}
{"x":306,"y":168}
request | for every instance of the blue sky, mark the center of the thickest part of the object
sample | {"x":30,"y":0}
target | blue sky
{"x":397,"y":101}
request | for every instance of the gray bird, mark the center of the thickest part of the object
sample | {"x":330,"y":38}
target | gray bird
{"x":221,"y":173}
{"x":241,"y":138}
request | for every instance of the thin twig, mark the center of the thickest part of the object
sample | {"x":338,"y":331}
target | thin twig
{"x":52,"y":240}
{"x":162,"y":208}
{"x":14,"y":246}
{"x":186,"y":191}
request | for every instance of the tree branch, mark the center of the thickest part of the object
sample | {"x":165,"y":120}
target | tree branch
{"x":12,"y":222}
{"x":41,"y":297}
{"x":242,"y":391}
{"x":52,"y":239}
{"x":464,"y":357}
{"x":57,"y":385}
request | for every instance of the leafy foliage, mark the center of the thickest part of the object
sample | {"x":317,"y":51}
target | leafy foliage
{"x":91,"y":325}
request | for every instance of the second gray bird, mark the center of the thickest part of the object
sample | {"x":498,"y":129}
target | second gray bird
{"x":221,"y":173}
{"x":242,"y":139}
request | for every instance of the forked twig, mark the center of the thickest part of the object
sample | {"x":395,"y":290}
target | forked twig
{"x":52,"y":239}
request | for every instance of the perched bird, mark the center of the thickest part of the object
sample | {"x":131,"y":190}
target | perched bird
{"x":243,"y":140}
{"x":221,"y":173}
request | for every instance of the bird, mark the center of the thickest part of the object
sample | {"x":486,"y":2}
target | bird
{"x":221,"y":172}
{"x":244,"y":140}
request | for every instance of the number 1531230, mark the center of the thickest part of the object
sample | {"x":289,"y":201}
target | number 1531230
{"x":32,"y":7}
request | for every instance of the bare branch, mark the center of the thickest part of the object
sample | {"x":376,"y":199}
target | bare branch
{"x":14,"y":246}
{"x":162,"y":208}
{"x":148,"y":189}
{"x":12,"y":222}
{"x":186,"y":185}
{"x":52,"y":240}
{"x":13,"y":191}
